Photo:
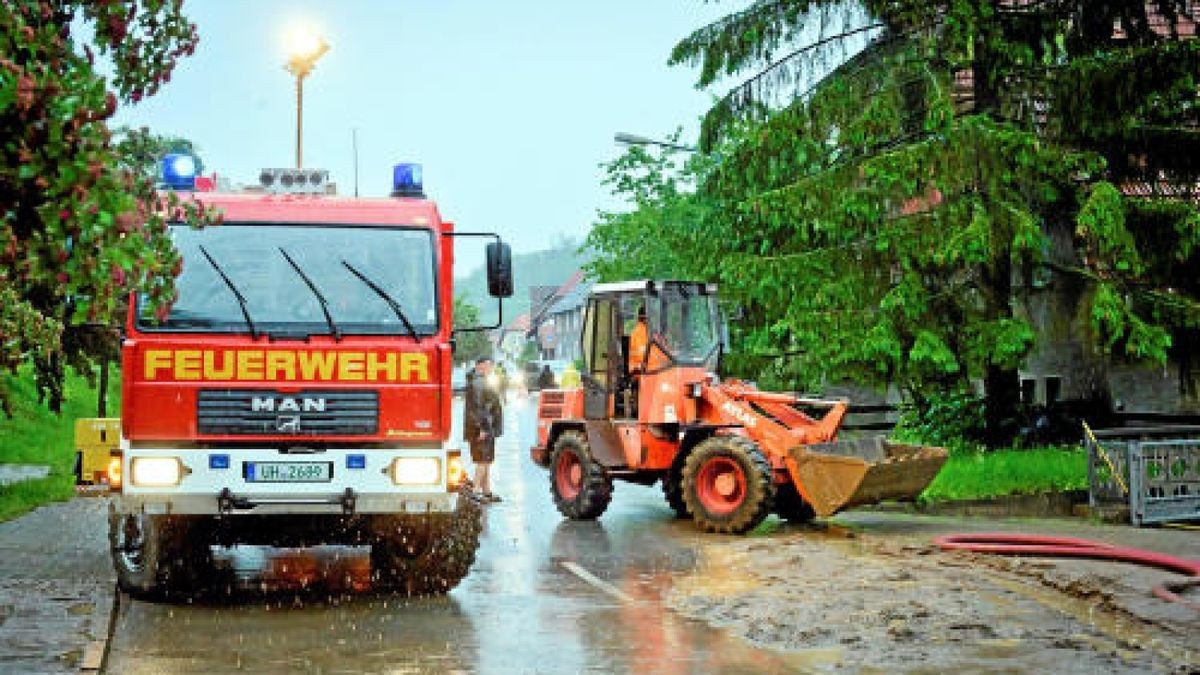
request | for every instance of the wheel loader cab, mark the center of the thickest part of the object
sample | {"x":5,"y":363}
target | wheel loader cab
{"x":683,"y":339}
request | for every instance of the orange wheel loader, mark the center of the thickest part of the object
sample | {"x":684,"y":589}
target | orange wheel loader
{"x":726,"y":453}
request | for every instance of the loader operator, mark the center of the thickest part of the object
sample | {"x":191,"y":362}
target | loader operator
{"x":639,"y":340}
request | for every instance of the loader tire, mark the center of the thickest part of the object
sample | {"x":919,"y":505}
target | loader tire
{"x":791,"y":506}
{"x":672,"y":487}
{"x":158,"y":556}
{"x":425,"y":554}
{"x":727,"y":485}
{"x":581,"y":488}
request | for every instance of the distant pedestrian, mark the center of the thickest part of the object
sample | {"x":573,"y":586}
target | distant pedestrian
{"x":570,"y":377}
{"x":546,"y":378}
{"x":483,"y":422}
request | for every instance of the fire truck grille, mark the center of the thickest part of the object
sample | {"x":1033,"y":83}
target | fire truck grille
{"x":272,"y":413}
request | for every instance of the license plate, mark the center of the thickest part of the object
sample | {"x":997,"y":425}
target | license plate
{"x":289,"y":472}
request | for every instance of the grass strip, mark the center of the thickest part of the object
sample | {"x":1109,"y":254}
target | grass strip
{"x":34,"y":435}
{"x":976,"y":474}
{"x":19,"y":498}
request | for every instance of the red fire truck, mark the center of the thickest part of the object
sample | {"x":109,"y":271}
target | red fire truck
{"x":297,"y":392}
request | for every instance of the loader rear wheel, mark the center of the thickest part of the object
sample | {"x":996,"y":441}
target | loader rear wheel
{"x":581,"y":488}
{"x":727,"y":485}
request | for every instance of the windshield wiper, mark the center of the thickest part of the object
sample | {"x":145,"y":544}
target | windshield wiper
{"x":386,"y":298}
{"x":333,"y":329}
{"x":236,"y":293}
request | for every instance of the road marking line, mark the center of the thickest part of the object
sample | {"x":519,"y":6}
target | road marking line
{"x":596,"y":581}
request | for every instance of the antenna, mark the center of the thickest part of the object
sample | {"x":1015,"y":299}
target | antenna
{"x":354,"y":144}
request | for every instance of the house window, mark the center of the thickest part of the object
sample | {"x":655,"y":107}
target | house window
{"x":1053,"y":389}
{"x":1028,"y":390}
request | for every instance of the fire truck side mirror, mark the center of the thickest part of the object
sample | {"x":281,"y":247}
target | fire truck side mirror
{"x":499,"y":270}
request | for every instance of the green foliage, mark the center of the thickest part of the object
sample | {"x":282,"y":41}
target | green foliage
{"x":471,"y":345}
{"x":78,"y":229}
{"x":943,"y":419}
{"x":656,"y":238}
{"x":884,"y":225}
{"x":976,"y":474}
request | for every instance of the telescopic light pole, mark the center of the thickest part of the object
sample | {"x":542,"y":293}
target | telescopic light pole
{"x":305,"y":49}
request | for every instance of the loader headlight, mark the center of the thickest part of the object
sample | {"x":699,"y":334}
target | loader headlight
{"x":416,"y":471}
{"x":155,"y":471}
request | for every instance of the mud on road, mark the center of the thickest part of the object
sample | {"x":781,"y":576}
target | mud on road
{"x":843,"y":600}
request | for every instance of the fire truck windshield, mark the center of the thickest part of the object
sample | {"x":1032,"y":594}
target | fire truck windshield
{"x":279,"y":301}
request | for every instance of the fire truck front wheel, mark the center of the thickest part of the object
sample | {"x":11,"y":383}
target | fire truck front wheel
{"x":426,"y":554}
{"x":155,"y":554}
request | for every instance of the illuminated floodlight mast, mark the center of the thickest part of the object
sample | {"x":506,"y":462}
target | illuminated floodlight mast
{"x":305,"y":47}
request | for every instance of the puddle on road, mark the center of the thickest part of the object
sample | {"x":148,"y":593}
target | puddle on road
{"x":720,"y":572}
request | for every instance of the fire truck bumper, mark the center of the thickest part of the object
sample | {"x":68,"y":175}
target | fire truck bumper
{"x":265,"y":481}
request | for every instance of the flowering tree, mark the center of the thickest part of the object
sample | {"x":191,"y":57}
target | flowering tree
{"x":80,"y":227}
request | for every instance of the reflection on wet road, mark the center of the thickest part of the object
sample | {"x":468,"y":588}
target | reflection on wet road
{"x":520,"y":609}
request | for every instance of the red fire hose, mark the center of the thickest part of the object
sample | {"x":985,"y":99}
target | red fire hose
{"x":1029,"y":544}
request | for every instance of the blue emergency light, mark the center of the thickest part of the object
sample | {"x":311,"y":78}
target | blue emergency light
{"x":406,"y":181}
{"x":179,"y":171}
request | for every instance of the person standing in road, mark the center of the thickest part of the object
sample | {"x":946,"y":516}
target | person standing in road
{"x":483,"y":422}
{"x":546,"y":378}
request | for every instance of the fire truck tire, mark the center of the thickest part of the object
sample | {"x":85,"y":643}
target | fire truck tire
{"x":427,"y":554}
{"x":672,"y":487}
{"x":157,"y":555}
{"x":791,"y":506}
{"x":581,"y":488}
{"x":727,"y":485}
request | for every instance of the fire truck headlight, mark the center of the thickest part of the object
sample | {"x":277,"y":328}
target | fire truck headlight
{"x":416,"y":471}
{"x":155,"y":471}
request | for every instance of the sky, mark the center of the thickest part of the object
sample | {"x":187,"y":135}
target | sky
{"x":509,"y":106}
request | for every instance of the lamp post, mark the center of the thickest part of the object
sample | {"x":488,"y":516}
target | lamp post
{"x":304,"y":48}
{"x":625,"y":138}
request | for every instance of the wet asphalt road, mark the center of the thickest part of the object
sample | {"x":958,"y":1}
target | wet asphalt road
{"x":526,"y":606}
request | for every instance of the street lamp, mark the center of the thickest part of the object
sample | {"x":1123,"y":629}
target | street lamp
{"x":304,"y":48}
{"x":633,"y":139}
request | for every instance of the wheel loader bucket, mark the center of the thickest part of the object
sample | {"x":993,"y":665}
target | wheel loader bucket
{"x":835,"y":476}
